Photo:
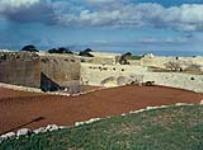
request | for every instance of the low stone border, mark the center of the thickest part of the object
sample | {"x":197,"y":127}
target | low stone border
{"x":132,"y":112}
{"x":28,"y":132}
{"x":53,"y":127}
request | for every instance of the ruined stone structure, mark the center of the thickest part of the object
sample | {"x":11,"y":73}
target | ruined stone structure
{"x":48,"y":72}
{"x":101,"y":58}
{"x":20,"y":68}
{"x":52,"y":72}
{"x":162,"y":62}
{"x":110,"y":75}
{"x":63,"y":70}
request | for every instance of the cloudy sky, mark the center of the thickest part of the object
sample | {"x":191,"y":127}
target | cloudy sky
{"x":162,"y":25}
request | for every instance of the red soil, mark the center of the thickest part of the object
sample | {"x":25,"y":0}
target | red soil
{"x":8,"y":93}
{"x":21,"y":109}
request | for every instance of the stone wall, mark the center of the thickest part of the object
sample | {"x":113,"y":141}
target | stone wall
{"x":62,"y":70}
{"x":109,"y":75}
{"x":156,"y":61}
{"x":116,"y":75}
{"x":20,"y":69}
{"x":99,"y":60}
{"x":178,"y":80}
{"x":54,"y":71}
{"x":160,"y":62}
{"x":48,"y":72}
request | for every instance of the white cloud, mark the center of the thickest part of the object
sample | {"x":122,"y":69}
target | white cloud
{"x":186,"y":17}
{"x":14,"y":4}
{"x":101,"y":1}
{"x":113,"y":13}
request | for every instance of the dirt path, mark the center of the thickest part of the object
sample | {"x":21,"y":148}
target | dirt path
{"x":21,"y":109}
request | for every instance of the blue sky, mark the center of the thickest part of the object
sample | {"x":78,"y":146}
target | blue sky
{"x":119,"y":25}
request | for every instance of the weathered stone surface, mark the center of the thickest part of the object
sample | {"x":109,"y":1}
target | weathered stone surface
{"x":61,"y":72}
{"x":39,"y":130}
{"x":52,"y":127}
{"x":201,"y":102}
{"x":23,"y":131}
{"x":7,"y":136}
{"x":48,"y":72}
{"x":88,"y":121}
{"x":20,"y":68}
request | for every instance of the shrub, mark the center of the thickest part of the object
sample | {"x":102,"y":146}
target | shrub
{"x":86,"y":53}
{"x":30,"y":48}
{"x":61,"y":50}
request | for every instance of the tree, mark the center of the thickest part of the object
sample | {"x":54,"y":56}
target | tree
{"x":60,"y":50}
{"x":88,"y":50}
{"x":86,"y":53}
{"x":123,"y":59}
{"x":30,"y":48}
{"x":173,"y":66}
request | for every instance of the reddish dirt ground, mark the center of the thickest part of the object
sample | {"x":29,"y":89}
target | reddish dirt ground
{"x":8,"y":93}
{"x":23,"y":109}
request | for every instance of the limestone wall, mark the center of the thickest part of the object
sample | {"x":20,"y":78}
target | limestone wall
{"x":99,"y":60}
{"x":64,"y":70}
{"x":178,"y":80}
{"x":20,"y":69}
{"x":115,"y":75}
{"x":48,"y":72}
{"x":158,"y":61}
{"x":55,"y":71}
{"x":108,"y":75}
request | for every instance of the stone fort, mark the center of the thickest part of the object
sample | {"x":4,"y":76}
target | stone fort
{"x":47,"y":72}
{"x":53,"y":72}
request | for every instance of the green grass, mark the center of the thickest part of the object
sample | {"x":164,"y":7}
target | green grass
{"x":174,"y":128}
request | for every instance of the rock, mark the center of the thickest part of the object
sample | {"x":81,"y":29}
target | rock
{"x":201,"y":102}
{"x":7,"y":136}
{"x":79,"y":123}
{"x":151,"y":107}
{"x":92,"y":120}
{"x":182,"y":104}
{"x":40,"y":130}
{"x":164,"y":106}
{"x":22,"y":132}
{"x":62,"y":127}
{"x":74,"y":95}
{"x":123,"y":114}
{"x":52,"y":127}
{"x":87,"y":122}
{"x":149,"y":83}
{"x":137,"y":111}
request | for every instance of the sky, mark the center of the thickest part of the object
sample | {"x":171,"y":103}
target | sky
{"x":106,"y":25}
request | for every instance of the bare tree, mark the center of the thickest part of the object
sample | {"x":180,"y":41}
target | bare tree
{"x":173,"y":66}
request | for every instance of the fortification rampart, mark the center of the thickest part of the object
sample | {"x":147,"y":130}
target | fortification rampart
{"x":63,"y":70}
{"x":48,"y":72}
{"x":54,"y":72}
{"x":115,"y":75}
{"x":160,"y":62}
{"x":109,"y":75}
{"x":177,"y":80}
{"x":20,"y":68}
